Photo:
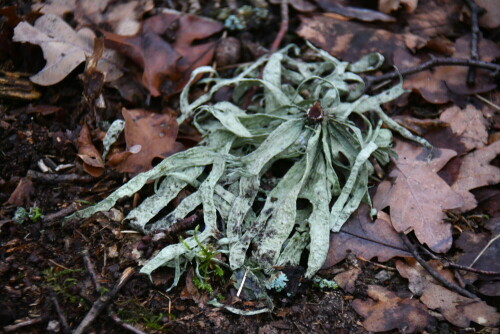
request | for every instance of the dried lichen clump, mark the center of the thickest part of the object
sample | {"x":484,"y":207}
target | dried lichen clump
{"x":303,"y":113}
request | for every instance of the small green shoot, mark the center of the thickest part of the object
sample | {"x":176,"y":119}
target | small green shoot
{"x":61,"y":282}
{"x":22,"y":215}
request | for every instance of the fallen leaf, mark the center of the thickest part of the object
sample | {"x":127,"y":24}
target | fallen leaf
{"x":476,"y":171}
{"x":434,"y":18}
{"x":418,"y":195}
{"x":299,"y":5}
{"x":121,"y":17}
{"x":440,"y":84}
{"x":347,"y":40}
{"x":154,"y":133}
{"x":387,"y":312}
{"x":168,"y":64}
{"x":458,"y":310}
{"x":21,"y":195}
{"x":365,"y":238}
{"x":490,"y":19}
{"x":92,"y":161}
{"x":389,"y":6}
{"x":474,"y":243}
{"x":64,"y":49}
{"x":467,"y":123}
{"x":347,"y":279}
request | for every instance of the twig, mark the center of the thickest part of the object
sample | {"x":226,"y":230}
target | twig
{"x":58,"y":265}
{"x":476,"y":11}
{"x":26,"y":323}
{"x":370,"y":81}
{"x":90,"y":268}
{"x":124,"y":325}
{"x":283,"y":27}
{"x":484,"y":249}
{"x":60,"y":313}
{"x":449,"y":264}
{"x":103,"y":301}
{"x":56,"y":178}
{"x":488,"y":102}
{"x":242,"y":282}
{"x":61,"y":213}
{"x":449,"y":285}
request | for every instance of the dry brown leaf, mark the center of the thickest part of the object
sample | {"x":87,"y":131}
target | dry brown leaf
{"x":341,"y":10}
{"x":347,"y":279}
{"x":365,"y":238}
{"x":387,"y":311}
{"x":64,"y":49}
{"x":92,"y":161}
{"x":349,"y":40}
{"x":490,"y":19}
{"x":457,"y":309}
{"x":439,"y":85}
{"x":467,"y":123}
{"x":21,"y":195}
{"x":435,"y":18}
{"x":389,"y":6}
{"x":168,"y":64}
{"x":300,"y":5}
{"x":417,"y":196}
{"x":153,"y":134}
{"x":476,"y":171}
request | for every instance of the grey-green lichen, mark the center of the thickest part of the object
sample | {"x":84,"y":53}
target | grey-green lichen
{"x":304,"y":113}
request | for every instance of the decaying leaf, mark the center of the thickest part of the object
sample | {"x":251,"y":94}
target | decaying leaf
{"x":476,"y":171}
{"x":467,"y":123}
{"x":387,"y":311}
{"x":417,"y":196}
{"x":490,"y":19}
{"x":91,"y":157}
{"x":347,"y":279}
{"x":457,"y":309}
{"x":328,"y":154}
{"x":168,"y":62}
{"x":439,"y":85}
{"x":64,"y":49}
{"x":152,"y":134}
{"x":362,"y":237}
{"x":21,"y":195}
{"x":434,"y":18}
{"x":389,"y":6}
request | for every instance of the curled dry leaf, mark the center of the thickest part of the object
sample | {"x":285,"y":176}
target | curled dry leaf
{"x":349,"y":40}
{"x":92,"y":161}
{"x":457,"y":309}
{"x":168,"y":62}
{"x":154,"y":134}
{"x":417,"y":196}
{"x":476,"y":171}
{"x":21,"y":195}
{"x":365,"y":238}
{"x":347,"y":279}
{"x":439,"y":85}
{"x":467,"y":123}
{"x":64,"y":49}
{"x":387,"y":311}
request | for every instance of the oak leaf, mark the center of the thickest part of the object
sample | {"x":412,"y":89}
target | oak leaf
{"x":170,"y":60}
{"x":153,"y":136}
{"x":469,"y":124}
{"x":91,"y":157}
{"x":476,"y":171}
{"x":64,"y":49}
{"x":365,"y":238}
{"x":387,"y":311}
{"x":457,"y":309}
{"x":417,"y":196}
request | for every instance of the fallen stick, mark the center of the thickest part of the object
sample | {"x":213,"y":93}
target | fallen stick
{"x":90,"y":268}
{"x":103,"y":301}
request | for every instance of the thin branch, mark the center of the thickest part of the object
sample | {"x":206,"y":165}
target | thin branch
{"x":22,"y":324}
{"x":372,"y":80}
{"x":437,"y":276}
{"x":124,"y":325}
{"x":90,"y":268}
{"x":61,"y":213}
{"x":60,"y":313}
{"x":449,"y":264}
{"x":476,"y":11}
{"x":283,"y":27}
{"x":58,"y":178}
{"x":103,"y":301}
